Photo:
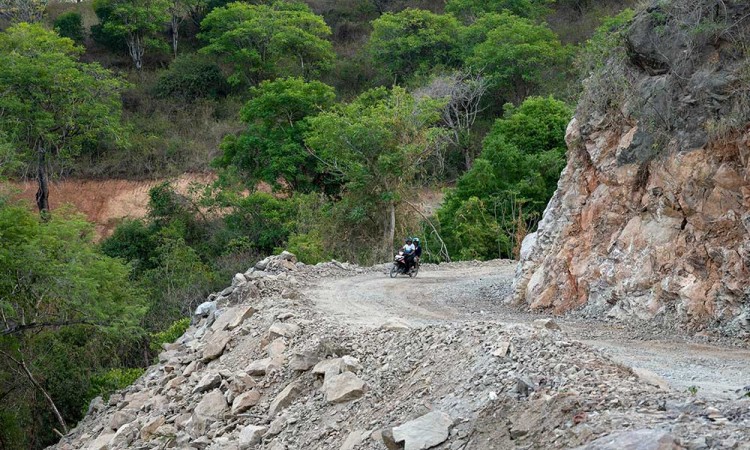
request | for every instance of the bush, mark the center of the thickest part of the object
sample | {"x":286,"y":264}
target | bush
{"x":191,"y":77}
{"x":70,"y":25}
{"x":308,"y":247}
{"x":105,"y":383}
{"x":169,"y":335}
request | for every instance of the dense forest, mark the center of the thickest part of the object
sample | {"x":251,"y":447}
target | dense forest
{"x":345,"y":109}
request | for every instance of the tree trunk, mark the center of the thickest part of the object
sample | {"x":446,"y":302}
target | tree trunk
{"x":42,"y":193}
{"x":136,"y":50}
{"x":175,"y":33}
{"x":21,"y":363}
{"x":389,"y":232}
{"x":468,"y":158}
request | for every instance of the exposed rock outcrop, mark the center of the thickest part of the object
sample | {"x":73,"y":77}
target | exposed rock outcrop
{"x":652,"y":213}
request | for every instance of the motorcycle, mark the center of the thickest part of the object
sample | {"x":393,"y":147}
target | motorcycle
{"x":399,"y":266}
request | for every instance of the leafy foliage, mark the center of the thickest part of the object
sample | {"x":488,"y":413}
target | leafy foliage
{"x":52,"y":103}
{"x":265,"y":41}
{"x":472,"y":9}
{"x":66,"y":310}
{"x":138,"y":22}
{"x":191,"y":77}
{"x":70,"y":25}
{"x":510,"y":183}
{"x":169,"y":335}
{"x":414,"y":41}
{"x":272,"y":148}
{"x":516,"y":54}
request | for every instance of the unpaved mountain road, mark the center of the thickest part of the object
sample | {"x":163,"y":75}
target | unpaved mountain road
{"x":472,"y":291}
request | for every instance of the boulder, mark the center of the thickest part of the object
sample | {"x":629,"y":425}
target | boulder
{"x":282,"y":329}
{"x":233,"y":317}
{"x":101,"y":442}
{"x":635,"y":440}
{"x":354,"y":439}
{"x":251,"y":435}
{"x":124,"y":436}
{"x":425,"y":432}
{"x":302,"y":362}
{"x":284,"y":399}
{"x":212,"y":404}
{"x":395,"y":324}
{"x":343,"y":387}
{"x":651,"y":378}
{"x":245,"y":401}
{"x":148,"y":431}
{"x":259,"y":367}
{"x":216,"y":345}
{"x":208,"y":382}
{"x":548,"y":324}
{"x":120,"y":418}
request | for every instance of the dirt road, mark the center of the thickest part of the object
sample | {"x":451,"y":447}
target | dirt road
{"x":471,"y":291}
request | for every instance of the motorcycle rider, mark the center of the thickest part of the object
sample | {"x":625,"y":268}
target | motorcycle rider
{"x":408,"y":249}
{"x":417,"y":250}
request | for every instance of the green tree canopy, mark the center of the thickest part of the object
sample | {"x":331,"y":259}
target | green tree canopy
{"x":517,"y":55}
{"x":470,"y":10}
{"x":139,"y":22}
{"x":272,"y":149}
{"x":70,"y":25}
{"x":377,"y":145}
{"x":511,"y":182}
{"x":63,"y":305}
{"x":265,"y":41}
{"x":51,"y":102}
{"x":414,"y":40}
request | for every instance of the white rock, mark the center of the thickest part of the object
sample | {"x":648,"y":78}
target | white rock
{"x":343,"y":388}
{"x":547,"y":323}
{"x":245,"y":401}
{"x":209,"y":381}
{"x":284,"y":399}
{"x":425,"y":432}
{"x":251,"y":435}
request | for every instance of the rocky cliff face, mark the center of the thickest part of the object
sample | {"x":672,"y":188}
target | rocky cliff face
{"x":652,"y":212}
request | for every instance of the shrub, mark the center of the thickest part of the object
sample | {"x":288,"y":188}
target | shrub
{"x":191,"y":77}
{"x":105,"y":383}
{"x":308,"y":247}
{"x":70,"y":25}
{"x":171,"y":334}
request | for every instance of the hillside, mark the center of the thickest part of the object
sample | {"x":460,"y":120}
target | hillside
{"x":338,"y":356}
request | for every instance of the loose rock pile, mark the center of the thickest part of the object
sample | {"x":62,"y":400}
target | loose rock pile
{"x":264,"y":369}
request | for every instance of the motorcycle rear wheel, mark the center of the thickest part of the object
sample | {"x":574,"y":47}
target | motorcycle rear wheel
{"x":394,"y":271}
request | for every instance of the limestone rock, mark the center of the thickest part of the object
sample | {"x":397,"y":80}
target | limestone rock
{"x":245,"y":401}
{"x":302,"y":362}
{"x":425,"y":432}
{"x":124,"y":436}
{"x":121,"y":418}
{"x":548,"y":324}
{"x":651,"y":378}
{"x":212,"y":404}
{"x":251,"y":435}
{"x":101,"y":442}
{"x":282,"y":329}
{"x":149,"y":429}
{"x":208,"y":382}
{"x":636,"y":440}
{"x":285,"y":398}
{"x":259,"y":367}
{"x":216,"y":345}
{"x":343,"y":388}
{"x":354,"y":439}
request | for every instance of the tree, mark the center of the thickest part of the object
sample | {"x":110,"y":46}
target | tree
{"x":414,"y":40}
{"x":264,"y":41}
{"x":51,"y":103}
{"x":470,"y":10}
{"x":462,"y":92}
{"x":517,"y":55}
{"x":511,"y":182}
{"x":54,"y":283}
{"x":70,"y":25}
{"x":376,"y":144}
{"x":16,"y":11}
{"x":138,"y":21}
{"x":272,"y":149}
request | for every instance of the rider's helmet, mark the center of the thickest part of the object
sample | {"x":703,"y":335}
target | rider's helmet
{"x":408,"y":240}
{"x":416,"y":240}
